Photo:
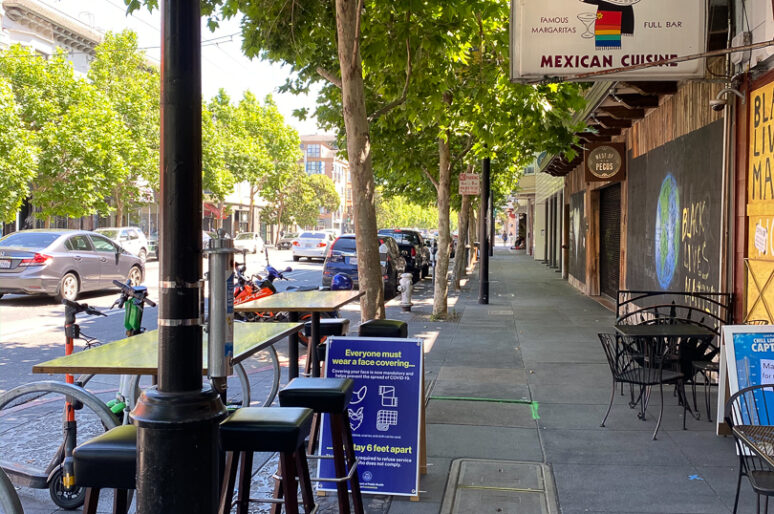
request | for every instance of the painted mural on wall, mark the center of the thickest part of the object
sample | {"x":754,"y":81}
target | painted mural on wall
{"x":760,"y":205}
{"x":667,"y":237}
{"x":577,"y":261}
{"x":673,"y":225}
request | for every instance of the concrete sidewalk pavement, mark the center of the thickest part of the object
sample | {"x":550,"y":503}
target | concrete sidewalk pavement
{"x":515,"y":392}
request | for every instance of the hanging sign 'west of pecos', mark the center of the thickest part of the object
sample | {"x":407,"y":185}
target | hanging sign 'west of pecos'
{"x":562,"y":38}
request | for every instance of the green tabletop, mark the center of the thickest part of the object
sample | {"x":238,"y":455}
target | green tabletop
{"x":138,"y":355}
{"x":300,"y":301}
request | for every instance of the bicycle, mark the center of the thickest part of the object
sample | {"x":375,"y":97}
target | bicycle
{"x":56,"y":474}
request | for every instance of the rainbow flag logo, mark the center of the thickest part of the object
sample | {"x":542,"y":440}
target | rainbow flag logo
{"x":607,"y":29}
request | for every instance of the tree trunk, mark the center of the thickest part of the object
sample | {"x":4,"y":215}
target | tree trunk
{"x":359,"y":155}
{"x":462,"y":238}
{"x":440,"y":308}
{"x":280,"y":210}
{"x":251,"y":219}
{"x":119,"y":209}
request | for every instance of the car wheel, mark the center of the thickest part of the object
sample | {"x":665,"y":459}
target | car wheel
{"x":135,"y":276}
{"x":296,"y":258}
{"x":69,"y":287}
{"x":143,"y":255}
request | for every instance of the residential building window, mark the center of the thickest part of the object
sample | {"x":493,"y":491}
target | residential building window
{"x":314,"y":167}
{"x":313,"y":150}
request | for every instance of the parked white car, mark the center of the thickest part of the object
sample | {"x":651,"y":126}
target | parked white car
{"x":312,"y":245}
{"x":130,"y":239}
{"x":249,"y":241}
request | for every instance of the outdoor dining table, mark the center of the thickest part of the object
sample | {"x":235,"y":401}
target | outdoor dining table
{"x":138,"y":355}
{"x":296,"y":302}
{"x":674,"y":335}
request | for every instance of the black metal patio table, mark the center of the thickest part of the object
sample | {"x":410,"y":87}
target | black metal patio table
{"x":687,"y":342}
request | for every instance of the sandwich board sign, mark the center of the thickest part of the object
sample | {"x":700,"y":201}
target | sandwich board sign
{"x":385,"y":412}
{"x":746,"y":359}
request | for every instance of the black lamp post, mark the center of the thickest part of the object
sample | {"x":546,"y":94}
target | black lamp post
{"x":483,"y":243}
{"x":177,"y":451}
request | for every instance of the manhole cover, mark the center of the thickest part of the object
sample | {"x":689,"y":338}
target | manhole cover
{"x":499,"y":486}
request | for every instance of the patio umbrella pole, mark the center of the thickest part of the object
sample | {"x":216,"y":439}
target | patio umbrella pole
{"x":483,"y":239}
{"x":177,"y":456}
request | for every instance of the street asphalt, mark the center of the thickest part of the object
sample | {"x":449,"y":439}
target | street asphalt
{"x":515,"y":393}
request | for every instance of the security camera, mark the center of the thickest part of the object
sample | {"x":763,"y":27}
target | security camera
{"x":717,"y":105}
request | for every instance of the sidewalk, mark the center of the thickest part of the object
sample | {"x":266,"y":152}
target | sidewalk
{"x":537,"y":341}
{"x":515,"y":393}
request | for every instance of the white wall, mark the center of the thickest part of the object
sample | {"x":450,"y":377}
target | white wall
{"x":539,"y":231}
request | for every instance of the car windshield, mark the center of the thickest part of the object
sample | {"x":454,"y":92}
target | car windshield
{"x":32,"y":240}
{"x":291,"y":236}
{"x":402,"y":238}
{"x":108,"y":232}
{"x":313,"y":235}
{"x":245,"y":235}
{"x":345,"y":244}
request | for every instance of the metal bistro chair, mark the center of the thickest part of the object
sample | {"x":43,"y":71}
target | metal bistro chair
{"x":639,"y":362}
{"x":753,"y":407}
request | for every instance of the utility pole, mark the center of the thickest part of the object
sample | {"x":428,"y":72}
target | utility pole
{"x":483,"y":243}
{"x":177,"y":422}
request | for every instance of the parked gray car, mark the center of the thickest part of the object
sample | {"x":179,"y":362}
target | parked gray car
{"x":63,"y":263}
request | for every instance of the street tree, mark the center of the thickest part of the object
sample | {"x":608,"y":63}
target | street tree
{"x":217,"y":179}
{"x":79,"y":161}
{"x":283,"y":147}
{"x":291,"y":199}
{"x":324,"y":192}
{"x":464,"y":108}
{"x":75,"y":130}
{"x":17,"y":156}
{"x":337,"y":42}
{"x":123,"y":73}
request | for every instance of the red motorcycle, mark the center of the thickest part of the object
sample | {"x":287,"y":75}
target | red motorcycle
{"x":248,"y":289}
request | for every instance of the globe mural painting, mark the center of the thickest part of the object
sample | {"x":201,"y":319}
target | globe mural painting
{"x":667,"y":231}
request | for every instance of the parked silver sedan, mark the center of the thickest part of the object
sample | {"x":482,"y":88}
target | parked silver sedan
{"x":312,"y":245}
{"x":63,"y":263}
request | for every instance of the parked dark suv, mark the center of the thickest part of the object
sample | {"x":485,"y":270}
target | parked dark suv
{"x":413,"y":249}
{"x":342,"y":258}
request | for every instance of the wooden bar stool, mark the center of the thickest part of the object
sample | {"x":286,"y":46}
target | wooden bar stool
{"x":108,"y":461}
{"x":266,"y":429}
{"x":331,"y":396}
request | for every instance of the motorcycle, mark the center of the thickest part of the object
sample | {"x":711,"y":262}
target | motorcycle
{"x":257,"y":286}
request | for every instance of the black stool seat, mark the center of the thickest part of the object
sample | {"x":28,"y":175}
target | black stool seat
{"x":109,"y":461}
{"x":384,"y":328}
{"x":329,"y":327}
{"x":330,"y":395}
{"x":265,"y":429}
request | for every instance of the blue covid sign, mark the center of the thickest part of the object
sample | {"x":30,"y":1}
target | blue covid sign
{"x":384,"y":412}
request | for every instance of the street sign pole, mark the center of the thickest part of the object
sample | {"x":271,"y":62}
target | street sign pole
{"x":483,"y":243}
{"x":177,"y":423}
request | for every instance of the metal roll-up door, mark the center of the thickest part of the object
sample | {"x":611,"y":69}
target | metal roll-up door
{"x":609,"y":239}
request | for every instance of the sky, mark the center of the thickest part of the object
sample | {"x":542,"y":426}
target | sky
{"x":223,"y":65}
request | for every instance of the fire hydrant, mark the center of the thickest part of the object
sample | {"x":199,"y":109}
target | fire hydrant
{"x":406,"y":284}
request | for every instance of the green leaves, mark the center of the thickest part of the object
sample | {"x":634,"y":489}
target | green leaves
{"x":17,"y":155}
